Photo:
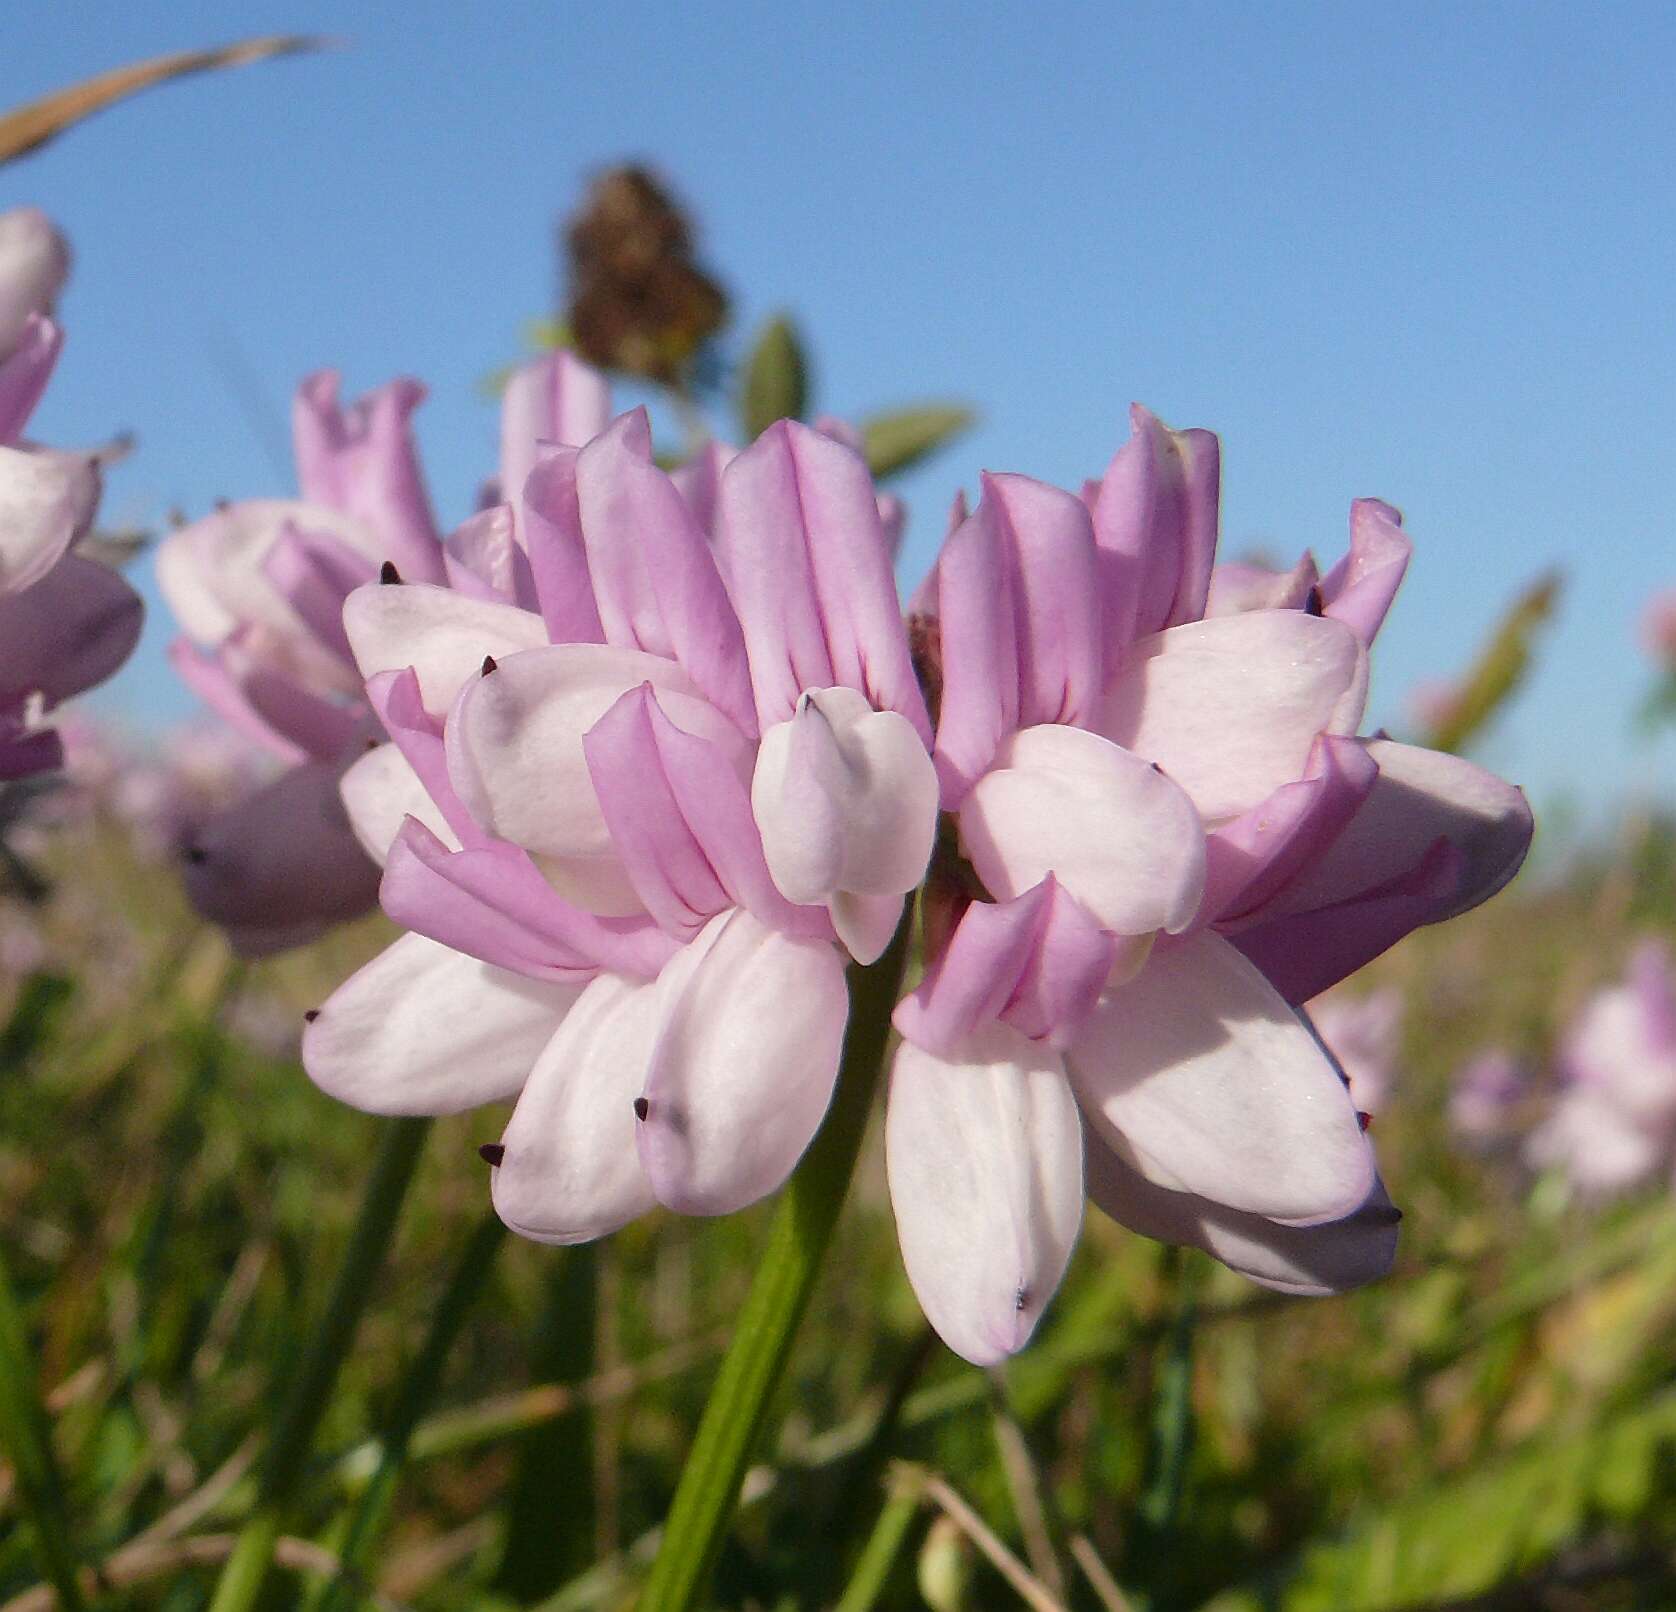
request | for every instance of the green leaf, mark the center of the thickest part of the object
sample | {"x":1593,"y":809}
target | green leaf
{"x":1500,"y":668}
{"x":776,"y":378}
{"x":900,"y":438}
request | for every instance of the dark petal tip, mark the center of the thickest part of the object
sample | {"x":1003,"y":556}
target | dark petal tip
{"x":492,"y":1153}
{"x":387,"y":572}
{"x":489,"y":664}
{"x":641,"y":1108}
{"x":196,"y":855}
{"x":311,"y":1015}
{"x":1315,"y":605}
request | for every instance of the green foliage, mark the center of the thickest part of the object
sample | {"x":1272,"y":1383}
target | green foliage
{"x":1499,"y":669}
{"x":899,"y":439}
{"x":776,"y":380}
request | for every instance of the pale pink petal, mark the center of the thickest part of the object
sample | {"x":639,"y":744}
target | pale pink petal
{"x":316,"y":572}
{"x":47,"y":500}
{"x":864,"y":924}
{"x":425,"y":1030}
{"x":984,"y":1155}
{"x":699,"y":481}
{"x":550,"y":523}
{"x":34,"y":264}
{"x":569,"y":1171}
{"x":516,"y":759}
{"x":1236,"y":588}
{"x":1204,"y":1080}
{"x":441,"y":634}
{"x":481,"y":558}
{"x":1313,"y":1261}
{"x":1359,"y":589}
{"x":1118,"y":834}
{"x":752,"y":1024}
{"x":25,"y":369}
{"x":209,"y":677}
{"x":1229,"y":708}
{"x":380,"y":792}
{"x":556,"y":399}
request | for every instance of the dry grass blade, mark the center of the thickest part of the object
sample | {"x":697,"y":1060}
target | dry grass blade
{"x":28,"y":128}
{"x":1099,"y":1575}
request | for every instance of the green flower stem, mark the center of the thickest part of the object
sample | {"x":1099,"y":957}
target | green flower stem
{"x":879,"y":1554}
{"x":26,"y":1435}
{"x":708,"y":1493}
{"x":294,"y":1428}
{"x":371,"y":1510}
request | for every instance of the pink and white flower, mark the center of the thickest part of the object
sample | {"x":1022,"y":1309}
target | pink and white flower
{"x":66,"y":622}
{"x":1364,"y":1035}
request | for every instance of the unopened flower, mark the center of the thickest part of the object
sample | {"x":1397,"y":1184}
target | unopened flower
{"x":1614,"y":1122}
{"x":66,"y":622}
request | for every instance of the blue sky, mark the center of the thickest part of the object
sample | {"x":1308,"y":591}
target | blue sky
{"x":1418,"y":251}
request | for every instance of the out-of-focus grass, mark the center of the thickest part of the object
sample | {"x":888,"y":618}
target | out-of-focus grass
{"x":1494,"y":1424}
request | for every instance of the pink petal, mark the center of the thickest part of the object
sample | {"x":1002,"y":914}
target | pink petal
{"x":1230,"y":708}
{"x":1315,"y":1261}
{"x":481,"y":558}
{"x":570,"y":1171}
{"x":441,"y":634}
{"x":516,"y":758}
{"x":550,"y":523}
{"x":316,"y":572}
{"x":68,"y":632}
{"x":556,"y":399}
{"x":655,"y":579}
{"x":984,"y":1155}
{"x":209,"y":677}
{"x":1359,"y":589}
{"x":1117,"y":833}
{"x":1201,"y":1077}
{"x":424,"y":1030}
{"x":34,"y":264}
{"x":1237,"y":588}
{"x":809,"y":571}
{"x":380,"y":792}
{"x":1038,"y":963}
{"x":25,"y":368}
{"x":395,"y":697}
{"x":752,"y":1023}
{"x":699,"y":481}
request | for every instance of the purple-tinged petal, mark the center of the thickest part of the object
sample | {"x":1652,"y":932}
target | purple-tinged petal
{"x":809,"y":571}
{"x":24,"y":373}
{"x":24,"y":751}
{"x":550,"y":519}
{"x":699,"y":482}
{"x":1056,"y":599}
{"x":977,"y":622}
{"x":362,"y":460}
{"x":68,"y":632}
{"x":1117,"y":834}
{"x":208,"y":676}
{"x":481,"y":559}
{"x":1250,"y":857}
{"x":47,"y":500}
{"x":283,"y":865}
{"x":1038,"y":963}
{"x":569,"y":1169}
{"x":984,"y":1155}
{"x":1363,"y":1036}
{"x":1303,"y":954}
{"x":320,"y":727}
{"x":315,"y":572}
{"x":924,"y":601}
{"x":680,"y":819}
{"x":1236,"y":588}
{"x":1230,"y":708}
{"x":516,"y":758}
{"x":1359,"y":589}
{"x":1199,"y":1076}
{"x":425,"y":1030}
{"x":655,"y":579}
{"x":442,"y":635}
{"x":34,"y":264}
{"x":751,"y":1026}
{"x":395,"y":697}
{"x":893,"y":524}
{"x":380,"y":792}
{"x":556,"y":399}
{"x":1311,"y":1261}
{"x":492,"y":902}
{"x":846,"y":799}
{"x":1420,"y":797}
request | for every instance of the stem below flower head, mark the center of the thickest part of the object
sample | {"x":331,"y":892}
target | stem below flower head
{"x":708,"y":1491}
{"x":247,"y":1568}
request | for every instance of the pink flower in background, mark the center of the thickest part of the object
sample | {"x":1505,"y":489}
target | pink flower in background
{"x":637,"y":835}
{"x":1485,"y":1098}
{"x":66,"y":622}
{"x":1658,"y":628}
{"x":1613,"y":1124}
{"x":1364,"y":1034}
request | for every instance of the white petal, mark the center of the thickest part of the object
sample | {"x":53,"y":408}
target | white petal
{"x":47,"y":500}
{"x":570,"y":1172}
{"x":1200,"y":1076}
{"x":423,"y":1029}
{"x":381,"y":791}
{"x":1121,"y":837}
{"x":745,"y":1063}
{"x":1230,"y":707}
{"x":865,"y":923}
{"x":515,"y":757}
{"x":441,"y":634}
{"x":985,"y":1163}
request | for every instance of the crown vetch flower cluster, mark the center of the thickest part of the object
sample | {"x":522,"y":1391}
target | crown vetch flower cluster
{"x":66,"y":622}
{"x":662,"y":763}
